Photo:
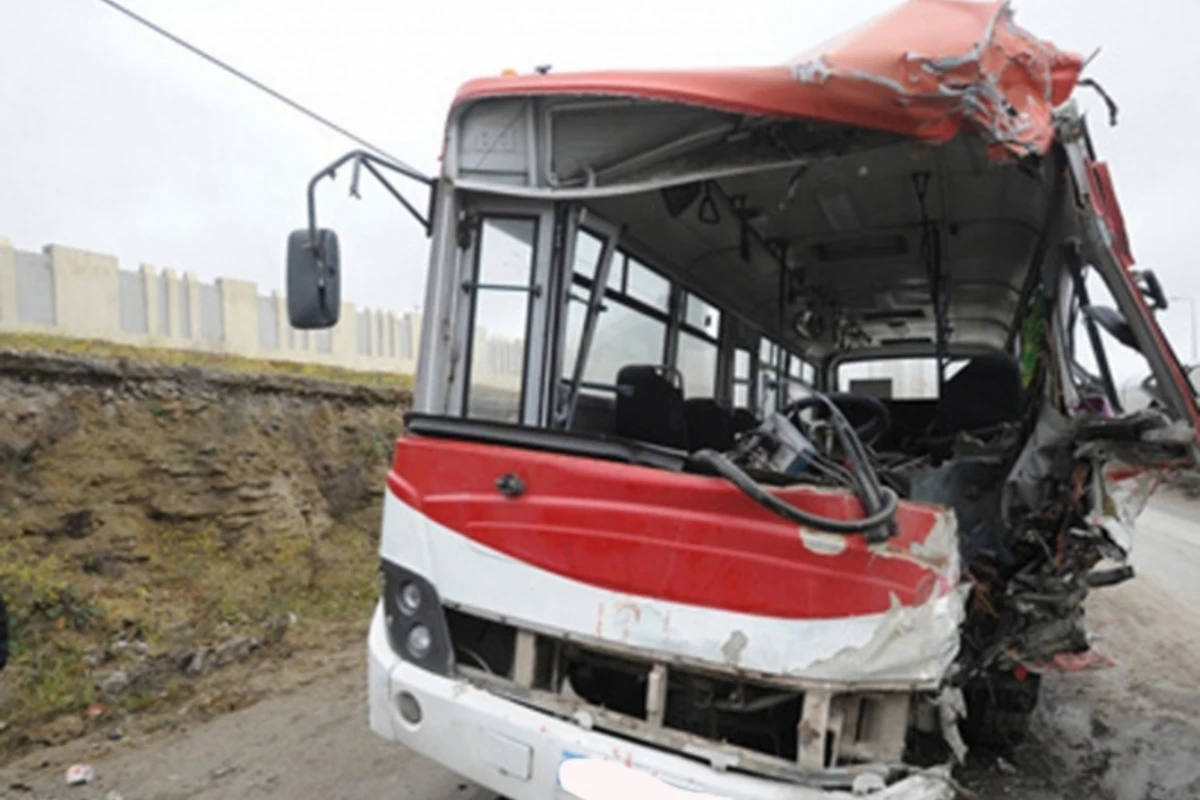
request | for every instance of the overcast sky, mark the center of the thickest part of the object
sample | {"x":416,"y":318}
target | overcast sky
{"x":113,"y":139}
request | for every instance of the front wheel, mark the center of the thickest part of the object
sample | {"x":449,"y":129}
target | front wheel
{"x":1000,"y":708}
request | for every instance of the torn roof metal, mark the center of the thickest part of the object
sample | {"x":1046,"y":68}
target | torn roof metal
{"x":927,"y":69}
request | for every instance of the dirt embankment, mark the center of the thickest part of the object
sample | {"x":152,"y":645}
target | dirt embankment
{"x":166,"y":532}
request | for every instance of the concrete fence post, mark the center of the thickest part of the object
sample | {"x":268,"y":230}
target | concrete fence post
{"x":239,"y":308}
{"x":86,"y":292}
{"x":149,"y":277}
{"x":414,"y":318}
{"x":282,"y":324}
{"x":8,"y":286}
{"x":389,"y":336}
{"x":372,"y":333}
{"x":344,"y":342}
{"x":191,"y":300}
{"x":174,"y":327}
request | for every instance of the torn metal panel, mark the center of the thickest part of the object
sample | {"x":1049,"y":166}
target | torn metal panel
{"x":927,"y":69}
{"x":919,"y":642}
{"x":953,"y":62}
{"x":1045,"y":459}
{"x":952,"y":707}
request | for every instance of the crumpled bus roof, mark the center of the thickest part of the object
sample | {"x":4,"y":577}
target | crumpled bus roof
{"x":927,"y":69}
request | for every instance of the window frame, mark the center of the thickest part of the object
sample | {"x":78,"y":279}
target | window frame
{"x":459,"y":285}
{"x":749,"y":381}
{"x":473,"y":289}
{"x":683,"y":327}
{"x":770,"y":366}
{"x":620,"y":261}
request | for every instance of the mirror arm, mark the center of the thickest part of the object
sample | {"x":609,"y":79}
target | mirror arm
{"x":371,"y":162}
{"x":401,"y":199}
{"x":312,"y":194}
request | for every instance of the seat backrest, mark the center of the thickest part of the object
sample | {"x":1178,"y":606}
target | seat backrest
{"x":984,"y":393}
{"x":744,"y":420}
{"x":594,"y":414}
{"x":709,"y":425}
{"x":650,"y":407}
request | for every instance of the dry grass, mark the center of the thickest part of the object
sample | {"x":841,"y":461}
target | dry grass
{"x":201,"y":594}
{"x":193,"y":358}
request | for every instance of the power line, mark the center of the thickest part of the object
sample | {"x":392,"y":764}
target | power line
{"x":328,"y":123}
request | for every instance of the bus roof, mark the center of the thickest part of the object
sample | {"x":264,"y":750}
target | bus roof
{"x":926,"y":69}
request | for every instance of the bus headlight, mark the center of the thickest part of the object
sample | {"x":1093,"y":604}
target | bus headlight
{"x":419,"y":641}
{"x":416,"y":626}
{"x":410,"y":598}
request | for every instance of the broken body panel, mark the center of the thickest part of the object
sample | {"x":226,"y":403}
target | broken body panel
{"x":564,"y":582}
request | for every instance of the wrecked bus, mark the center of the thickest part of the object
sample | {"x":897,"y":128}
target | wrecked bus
{"x":766,"y":438}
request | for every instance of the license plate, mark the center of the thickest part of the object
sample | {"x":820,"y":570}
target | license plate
{"x":585,"y":778}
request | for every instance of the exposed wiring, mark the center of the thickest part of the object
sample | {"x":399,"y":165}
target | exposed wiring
{"x":475,"y":657}
{"x":257,"y":84}
{"x":832,"y":470}
{"x":878,"y":501}
{"x":730,"y":471}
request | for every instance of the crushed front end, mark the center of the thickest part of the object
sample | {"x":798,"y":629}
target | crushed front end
{"x":657,"y":618}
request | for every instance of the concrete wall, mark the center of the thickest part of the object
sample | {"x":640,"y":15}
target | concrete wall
{"x":76,"y":293}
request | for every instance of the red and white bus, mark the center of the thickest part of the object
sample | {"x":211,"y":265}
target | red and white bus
{"x":766,"y":437}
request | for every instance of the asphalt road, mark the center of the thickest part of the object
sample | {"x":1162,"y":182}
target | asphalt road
{"x":1130,"y":733}
{"x":1166,"y":550}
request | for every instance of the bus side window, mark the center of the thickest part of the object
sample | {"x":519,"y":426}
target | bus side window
{"x":697,"y":354}
{"x":500,"y":317}
{"x":741,"y":378}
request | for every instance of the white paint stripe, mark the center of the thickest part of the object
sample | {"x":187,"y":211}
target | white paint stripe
{"x":909,"y":645}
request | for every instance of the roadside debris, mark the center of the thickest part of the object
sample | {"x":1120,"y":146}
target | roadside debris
{"x":79,"y":774}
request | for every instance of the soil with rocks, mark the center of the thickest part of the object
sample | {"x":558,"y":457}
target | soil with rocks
{"x":160,"y":525}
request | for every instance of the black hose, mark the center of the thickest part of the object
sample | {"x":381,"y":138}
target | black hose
{"x":727,"y":469}
{"x":866,"y":484}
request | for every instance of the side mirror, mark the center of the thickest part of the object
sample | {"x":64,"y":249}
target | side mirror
{"x":314,"y":295}
{"x":1151,"y":289}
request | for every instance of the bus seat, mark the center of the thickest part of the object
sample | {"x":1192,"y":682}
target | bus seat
{"x":594,"y":414}
{"x":650,"y":407}
{"x":744,"y":420}
{"x":708,"y":424}
{"x":984,"y":393}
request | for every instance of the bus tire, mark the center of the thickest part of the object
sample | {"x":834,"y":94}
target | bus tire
{"x":1000,"y":708}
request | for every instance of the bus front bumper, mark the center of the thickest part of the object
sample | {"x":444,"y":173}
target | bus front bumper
{"x":518,"y":752}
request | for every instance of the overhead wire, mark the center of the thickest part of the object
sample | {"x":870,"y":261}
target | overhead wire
{"x":257,"y":84}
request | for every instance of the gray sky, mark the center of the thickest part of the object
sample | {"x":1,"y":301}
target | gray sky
{"x":116,"y":140}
